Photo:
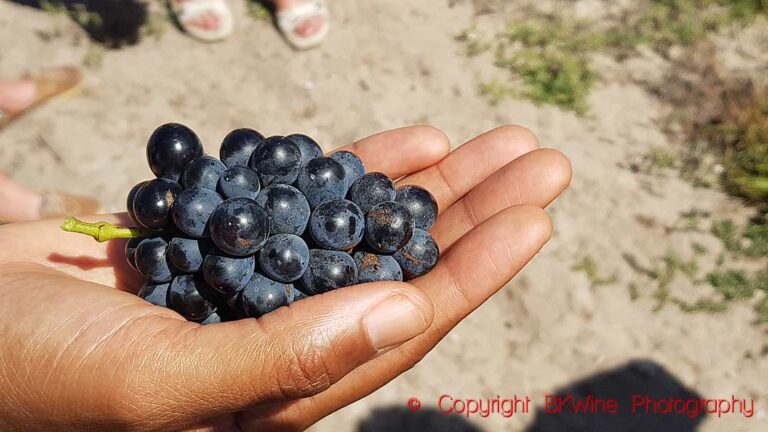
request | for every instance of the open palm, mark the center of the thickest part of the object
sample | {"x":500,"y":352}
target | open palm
{"x":78,"y":354}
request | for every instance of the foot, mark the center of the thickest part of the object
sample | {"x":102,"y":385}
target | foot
{"x":207,"y":20}
{"x":304,"y":23}
{"x":307,"y":27}
{"x":17,"y":96}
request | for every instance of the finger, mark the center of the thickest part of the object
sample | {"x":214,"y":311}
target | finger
{"x":470,"y":164}
{"x":478,"y":265}
{"x":288,"y":354}
{"x":77,"y":255}
{"x":535,"y":178}
{"x":402,"y":151}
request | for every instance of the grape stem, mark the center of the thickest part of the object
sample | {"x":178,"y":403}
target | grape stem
{"x":103,"y":231}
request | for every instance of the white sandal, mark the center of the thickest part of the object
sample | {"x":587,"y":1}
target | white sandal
{"x":287,"y":20}
{"x":192,"y":9}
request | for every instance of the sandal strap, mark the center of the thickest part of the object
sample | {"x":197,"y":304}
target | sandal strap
{"x":192,"y":8}
{"x":287,"y":19}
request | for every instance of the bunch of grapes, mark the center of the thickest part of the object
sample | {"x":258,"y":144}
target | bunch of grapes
{"x":269,"y":223}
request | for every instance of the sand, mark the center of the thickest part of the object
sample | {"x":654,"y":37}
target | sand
{"x":394,"y":63}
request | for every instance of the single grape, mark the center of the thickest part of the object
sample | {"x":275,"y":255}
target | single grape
{"x":284,"y":257}
{"x":227,"y":274}
{"x":239,"y":182}
{"x":352,"y":164}
{"x":155,"y":293}
{"x":262,"y":295}
{"x":419,"y":256}
{"x":287,"y":208}
{"x":420,"y":203}
{"x":171,"y":148}
{"x":151,"y":259}
{"x":239,"y":226}
{"x":295,"y":295}
{"x":322,"y":179}
{"x":307,"y":146}
{"x":276,"y":160}
{"x":203,"y":172}
{"x":130,"y":250}
{"x":376,"y":268}
{"x":388,"y":227}
{"x":337,"y":225}
{"x":213,"y":318}
{"x":191,"y":297}
{"x":371,"y":189}
{"x":153,"y":202}
{"x":187,"y":254}
{"x":327,"y":270}
{"x":238,"y":146}
{"x":131,"y":198}
{"x":193,"y":209}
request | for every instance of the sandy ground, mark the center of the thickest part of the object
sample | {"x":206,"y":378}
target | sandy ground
{"x":393,"y":63}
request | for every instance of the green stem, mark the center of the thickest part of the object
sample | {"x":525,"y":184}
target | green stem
{"x":103,"y":231}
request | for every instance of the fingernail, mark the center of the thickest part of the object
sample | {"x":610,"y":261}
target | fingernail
{"x":394,"y":321}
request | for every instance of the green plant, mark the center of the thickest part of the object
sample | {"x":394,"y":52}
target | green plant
{"x":702,"y":305}
{"x":665,"y":270}
{"x":475,"y":43}
{"x":258,"y":11}
{"x":551,"y":58}
{"x":662,"y":158}
{"x":53,"y":6}
{"x":750,"y":240}
{"x":589,"y":267}
{"x":732,"y":284}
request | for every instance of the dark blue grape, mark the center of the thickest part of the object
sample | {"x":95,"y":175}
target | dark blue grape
{"x":213,"y":318}
{"x":388,"y":227}
{"x":151,"y":259}
{"x":352,"y":164}
{"x":420,"y":203}
{"x":322,"y":179}
{"x":419,"y":256}
{"x":239,"y":182}
{"x":153,"y":202}
{"x":262,"y":295}
{"x":238,"y":146}
{"x":131,"y":198}
{"x":287,"y":208}
{"x":295,"y":295}
{"x":203,"y":172}
{"x":239,"y":226}
{"x":370,"y":190}
{"x":227,"y":274}
{"x":191,"y":297}
{"x":337,"y":225}
{"x":155,"y":293}
{"x":276,"y":160}
{"x":307,"y":146}
{"x":130,"y":251}
{"x":171,"y":148}
{"x":187,"y":254}
{"x":284,"y":257}
{"x":327,"y":270}
{"x":193,"y":209}
{"x":376,"y":268}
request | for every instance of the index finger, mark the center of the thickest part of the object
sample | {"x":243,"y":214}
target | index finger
{"x":402,"y":151}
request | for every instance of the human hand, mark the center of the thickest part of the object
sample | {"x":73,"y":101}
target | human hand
{"x":78,"y":354}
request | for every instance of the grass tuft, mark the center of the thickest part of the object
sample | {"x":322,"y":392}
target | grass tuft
{"x":589,"y":267}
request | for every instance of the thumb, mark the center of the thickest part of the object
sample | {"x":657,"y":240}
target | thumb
{"x":294,"y":352}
